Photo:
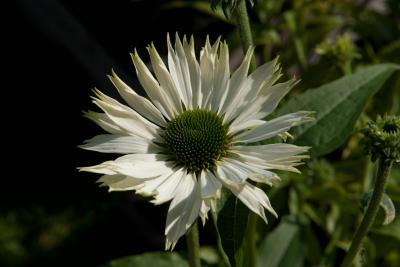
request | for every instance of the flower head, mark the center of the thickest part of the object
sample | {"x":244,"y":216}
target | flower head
{"x":382,"y":138}
{"x":197,"y":131}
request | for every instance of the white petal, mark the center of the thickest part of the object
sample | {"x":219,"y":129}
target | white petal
{"x":274,"y":127}
{"x":221,"y":78}
{"x":255,"y":173}
{"x":183,"y":210}
{"x":125,"y":117}
{"x":230,"y":174}
{"x":246,"y":125}
{"x":210,"y":186}
{"x":109,"y":143}
{"x":272,"y":152}
{"x":172,"y":92}
{"x":119,"y":182}
{"x":104,"y":122}
{"x":194,"y":69}
{"x":137,"y":102}
{"x":167,"y":188}
{"x":179,"y":70}
{"x":160,"y":98}
{"x":142,"y":166}
{"x":207,"y":60}
{"x":254,"y":198}
{"x":234,"y":95}
{"x":206,"y":205}
{"x":258,"y":162}
{"x":264,"y":104}
{"x":102,"y":168}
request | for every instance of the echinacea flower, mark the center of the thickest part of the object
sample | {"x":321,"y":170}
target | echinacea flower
{"x":197,"y":131}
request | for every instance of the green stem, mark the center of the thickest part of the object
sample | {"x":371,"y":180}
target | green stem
{"x":251,"y":237}
{"x":243,"y":25}
{"x":373,"y":207}
{"x":193,"y":247}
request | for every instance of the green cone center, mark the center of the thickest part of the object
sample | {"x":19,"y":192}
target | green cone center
{"x":196,"y":140}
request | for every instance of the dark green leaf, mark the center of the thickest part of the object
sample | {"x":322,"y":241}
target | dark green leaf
{"x":285,"y":246}
{"x":153,"y":259}
{"x":338,"y":105}
{"x":232,"y":223}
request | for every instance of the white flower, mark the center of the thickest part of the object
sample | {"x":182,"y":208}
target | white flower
{"x":197,"y":132}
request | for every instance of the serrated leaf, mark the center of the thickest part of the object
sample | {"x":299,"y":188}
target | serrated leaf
{"x":231,"y":223}
{"x":338,"y":105}
{"x":285,"y":246}
{"x":152,"y":259}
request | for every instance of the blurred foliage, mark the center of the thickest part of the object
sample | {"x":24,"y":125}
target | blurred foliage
{"x":319,"y":41}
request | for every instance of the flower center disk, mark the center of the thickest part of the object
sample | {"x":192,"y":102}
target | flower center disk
{"x":196,"y":140}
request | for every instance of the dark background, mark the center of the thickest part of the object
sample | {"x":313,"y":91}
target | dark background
{"x":50,"y":214}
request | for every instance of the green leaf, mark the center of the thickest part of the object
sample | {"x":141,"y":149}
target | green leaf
{"x":338,"y":105}
{"x":231,"y":223}
{"x":152,"y":259}
{"x":388,"y":210}
{"x":285,"y":246}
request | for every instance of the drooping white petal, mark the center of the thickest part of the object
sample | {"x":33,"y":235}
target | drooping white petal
{"x":271,"y":152}
{"x":210,"y":186}
{"x":140,"y":166}
{"x":274,"y":127}
{"x":258,"y":162}
{"x":103,"y":168}
{"x":246,"y":125}
{"x":207,"y":205}
{"x":168,"y":187}
{"x":143,"y":166}
{"x":255,"y":173}
{"x":254,"y":198}
{"x":137,"y":102}
{"x":110,"y":143}
{"x":119,"y":182}
{"x":230,"y":173}
{"x":105,"y":123}
{"x":160,"y":97}
{"x":183,"y":210}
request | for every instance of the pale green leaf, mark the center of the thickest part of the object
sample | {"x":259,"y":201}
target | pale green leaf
{"x":338,"y":105}
{"x":285,"y":246}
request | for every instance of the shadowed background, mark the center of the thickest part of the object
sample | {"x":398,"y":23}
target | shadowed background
{"x":53,"y":215}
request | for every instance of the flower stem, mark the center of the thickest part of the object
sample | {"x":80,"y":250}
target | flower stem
{"x":373,"y":207}
{"x":193,"y":246}
{"x":243,"y":25}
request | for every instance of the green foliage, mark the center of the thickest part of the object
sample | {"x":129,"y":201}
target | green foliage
{"x":286,"y":245}
{"x":153,"y":259}
{"x":231,"y":223}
